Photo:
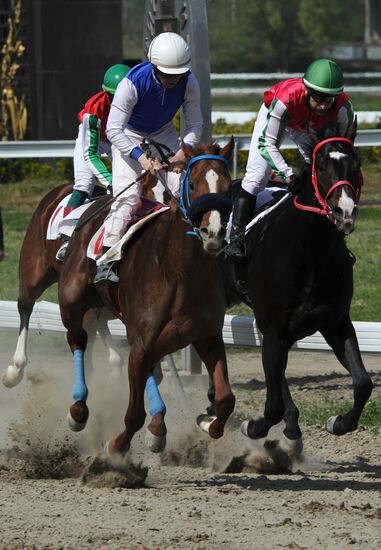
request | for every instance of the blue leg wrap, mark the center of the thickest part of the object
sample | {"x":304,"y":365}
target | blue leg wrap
{"x":79,"y":391}
{"x":156,"y":404}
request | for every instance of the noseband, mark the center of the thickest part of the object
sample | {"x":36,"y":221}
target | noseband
{"x":325,"y":209}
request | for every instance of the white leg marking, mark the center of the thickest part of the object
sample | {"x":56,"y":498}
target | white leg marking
{"x":329,"y":424}
{"x":13,"y":374}
{"x":292,"y":447}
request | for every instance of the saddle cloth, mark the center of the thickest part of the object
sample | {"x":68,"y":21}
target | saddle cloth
{"x":58,"y":225}
{"x":147,"y":210}
{"x":264,"y":197}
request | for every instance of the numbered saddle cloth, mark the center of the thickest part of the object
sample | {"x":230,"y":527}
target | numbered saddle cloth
{"x":60,"y":225}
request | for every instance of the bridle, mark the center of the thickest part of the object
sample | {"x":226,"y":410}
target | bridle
{"x":324,"y":209}
{"x":185,"y":200}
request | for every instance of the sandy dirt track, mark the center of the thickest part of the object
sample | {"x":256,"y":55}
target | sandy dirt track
{"x":55,"y":492}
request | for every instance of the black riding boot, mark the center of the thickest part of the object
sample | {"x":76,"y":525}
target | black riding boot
{"x":243,"y":207}
{"x":105,"y":271}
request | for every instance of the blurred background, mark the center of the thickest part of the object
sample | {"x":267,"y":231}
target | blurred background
{"x":54,"y":52}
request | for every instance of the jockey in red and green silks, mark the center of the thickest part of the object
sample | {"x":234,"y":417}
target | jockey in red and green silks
{"x":92,"y":141}
{"x":91,"y":144}
{"x":295,"y":107}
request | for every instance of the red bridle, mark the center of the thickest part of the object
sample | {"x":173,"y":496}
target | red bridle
{"x":324,"y":209}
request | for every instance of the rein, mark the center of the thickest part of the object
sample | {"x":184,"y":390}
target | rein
{"x":325,"y":209}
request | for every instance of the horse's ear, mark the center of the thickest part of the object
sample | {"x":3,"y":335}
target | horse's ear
{"x":352,"y":130}
{"x":188,"y":151}
{"x":227,"y":150}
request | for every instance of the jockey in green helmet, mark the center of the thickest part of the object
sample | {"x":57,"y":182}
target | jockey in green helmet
{"x":91,"y":143}
{"x":294,"y":107}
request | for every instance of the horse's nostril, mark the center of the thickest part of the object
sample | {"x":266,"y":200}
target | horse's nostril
{"x":337,"y":212}
{"x":204,"y":230}
{"x":355,"y":212}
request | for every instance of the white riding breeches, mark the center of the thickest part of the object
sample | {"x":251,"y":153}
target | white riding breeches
{"x":125,"y":171}
{"x":84,"y":178}
{"x":258,"y":170}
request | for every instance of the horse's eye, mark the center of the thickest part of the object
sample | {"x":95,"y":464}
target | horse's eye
{"x":191,"y":186}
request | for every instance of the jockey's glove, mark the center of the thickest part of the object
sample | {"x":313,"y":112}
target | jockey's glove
{"x":149,"y":164}
{"x":295,"y":184}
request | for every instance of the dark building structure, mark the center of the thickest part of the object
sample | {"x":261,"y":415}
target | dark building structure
{"x":69,"y":45}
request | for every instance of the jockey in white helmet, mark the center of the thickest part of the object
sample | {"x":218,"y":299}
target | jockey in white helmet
{"x":143,"y":107}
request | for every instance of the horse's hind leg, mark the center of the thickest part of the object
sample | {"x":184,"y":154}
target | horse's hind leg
{"x":78,"y":413}
{"x":14,"y":373}
{"x":212,"y":353}
{"x":344,"y":343}
{"x":115,"y":358}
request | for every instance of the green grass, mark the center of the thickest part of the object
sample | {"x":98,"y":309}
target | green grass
{"x":318,"y":413}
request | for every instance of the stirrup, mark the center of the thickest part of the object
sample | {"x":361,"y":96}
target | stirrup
{"x":62,"y":251}
{"x":105,"y":274}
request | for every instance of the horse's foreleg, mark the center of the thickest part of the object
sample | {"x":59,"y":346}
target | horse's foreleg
{"x":14,"y":373}
{"x":135,"y":415}
{"x":212,"y":353}
{"x":344,"y":343}
{"x":274,"y":359}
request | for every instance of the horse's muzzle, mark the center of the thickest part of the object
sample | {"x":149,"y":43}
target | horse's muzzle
{"x":345,"y":222}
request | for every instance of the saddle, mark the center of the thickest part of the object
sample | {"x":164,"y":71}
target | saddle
{"x":59,"y":225}
{"x":147,"y":210}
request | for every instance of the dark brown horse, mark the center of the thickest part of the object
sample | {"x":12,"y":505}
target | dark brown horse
{"x":300,"y":280}
{"x":170,"y":293}
{"x":39,"y":269}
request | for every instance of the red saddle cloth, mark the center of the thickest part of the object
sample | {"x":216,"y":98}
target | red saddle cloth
{"x":146,"y":207}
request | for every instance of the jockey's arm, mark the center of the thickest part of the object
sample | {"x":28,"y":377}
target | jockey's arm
{"x":90,"y":146}
{"x":124,"y":101}
{"x":345,"y":117}
{"x":271,"y":137}
{"x":193,"y":122}
{"x":192,"y":112}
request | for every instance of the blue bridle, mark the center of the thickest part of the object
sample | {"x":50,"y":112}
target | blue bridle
{"x":184,"y":186}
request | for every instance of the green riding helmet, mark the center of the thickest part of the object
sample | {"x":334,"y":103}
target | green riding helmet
{"x":113,"y":76}
{"x":324,"y":76}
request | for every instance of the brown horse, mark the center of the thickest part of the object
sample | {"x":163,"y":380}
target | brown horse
{"x":39,"y":269}
{"x":170,"y":293}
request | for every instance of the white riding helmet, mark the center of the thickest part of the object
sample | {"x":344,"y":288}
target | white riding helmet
{"x":170,"y":53}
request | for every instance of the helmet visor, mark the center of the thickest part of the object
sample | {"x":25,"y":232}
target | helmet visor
{"x":319,"y":97}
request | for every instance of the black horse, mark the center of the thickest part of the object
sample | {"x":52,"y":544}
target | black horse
{"x":300,"y":280}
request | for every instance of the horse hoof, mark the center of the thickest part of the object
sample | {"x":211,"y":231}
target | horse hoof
{"x":110,"y":450}
{"x":291,"y":447}
{"x":73,"y":424}
{"x":329,"y":425}
{"x":244,"y":428}
{"x":12,"y":376}
{"x":204,"y":421}
{"x":156,"y":444}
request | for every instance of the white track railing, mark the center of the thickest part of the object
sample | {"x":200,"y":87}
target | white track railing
{"x":63,"y":148}
{"x":237,"y":331}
